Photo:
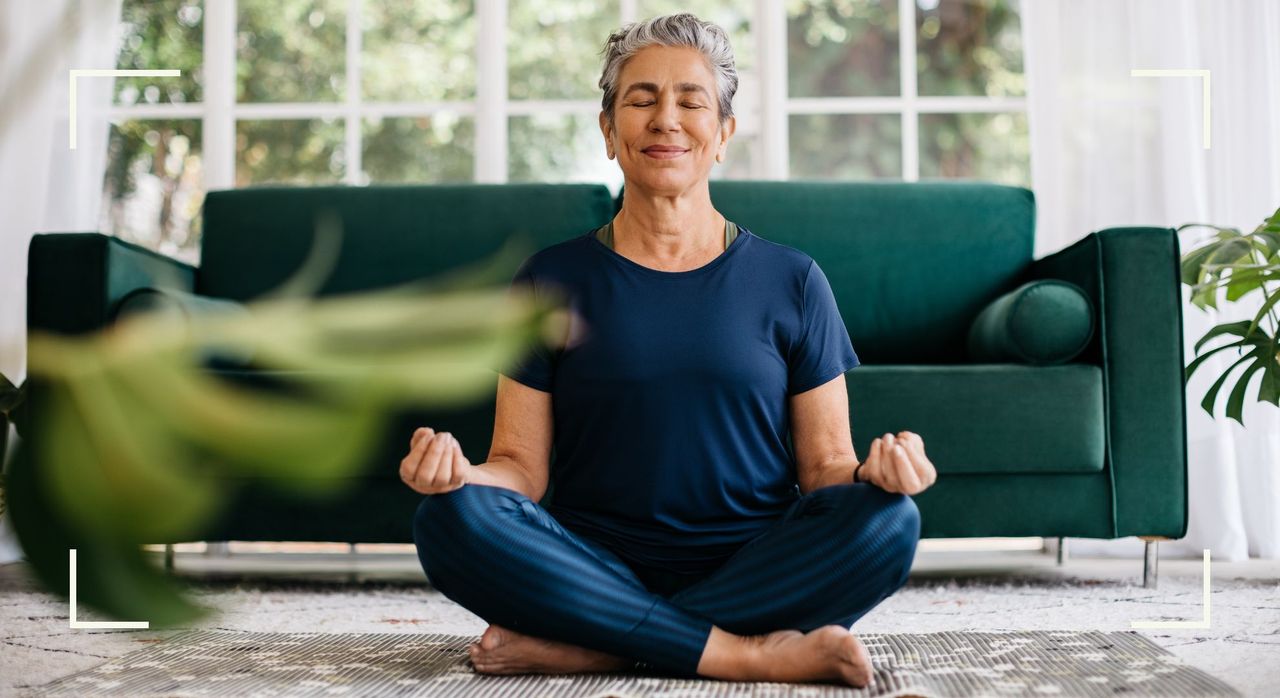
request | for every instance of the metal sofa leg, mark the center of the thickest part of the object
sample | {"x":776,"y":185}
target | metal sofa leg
{"x":1062,"y":550}
{"x":1151,"y":561}
{"x":217,"y":548}
{"x":168,"y":558}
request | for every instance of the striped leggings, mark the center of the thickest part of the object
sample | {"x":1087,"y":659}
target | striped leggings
{"x":829,"y":559}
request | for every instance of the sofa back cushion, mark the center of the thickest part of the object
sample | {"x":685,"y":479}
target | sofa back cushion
{"x":911,"y":264}
{"x":255,"y":238}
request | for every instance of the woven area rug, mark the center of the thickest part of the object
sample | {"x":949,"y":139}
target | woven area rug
{"x":205,"y":663}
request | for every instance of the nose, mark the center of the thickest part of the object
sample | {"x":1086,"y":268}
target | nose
{"x":666,"y":117}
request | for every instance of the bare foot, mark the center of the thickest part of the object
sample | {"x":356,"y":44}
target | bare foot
{"x":822,"y":654}
{"x":504,"y":651}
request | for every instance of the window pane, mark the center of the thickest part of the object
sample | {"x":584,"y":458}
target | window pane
{"x":969,"y":47}
{"x":161,"y":35}
{"x":418,"y":50}
{"x":425,"y":149}
{"x":846,"y":146}
{"x":553,"y":47}
{"x":842,"y":48}
{"x":559,"y":148}
{"x":734,"y":17}
{"x":154,"y":186}
{"x":291,"y":50}
{"x":288,"y":151}
{"x":993,"y":147}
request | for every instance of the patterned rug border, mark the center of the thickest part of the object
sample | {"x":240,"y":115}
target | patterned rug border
{"x":947,"y":663}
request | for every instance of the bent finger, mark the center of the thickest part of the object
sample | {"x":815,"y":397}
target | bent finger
{"x":906,"y":471}
{"x":412,"y":463}
{"x":431,"y":460}
{"x":418,"y":435}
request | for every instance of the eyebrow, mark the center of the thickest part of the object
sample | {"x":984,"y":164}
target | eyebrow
{"x":682,"y":87}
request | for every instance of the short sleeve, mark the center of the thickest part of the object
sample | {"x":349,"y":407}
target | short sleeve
{"x":823,"y":349}
{"x":536,"y":367}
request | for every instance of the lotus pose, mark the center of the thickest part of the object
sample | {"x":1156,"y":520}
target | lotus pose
{"x":683,"y":535}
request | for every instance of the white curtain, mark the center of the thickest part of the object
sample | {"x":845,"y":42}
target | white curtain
{"x":44,"y":185}
{"x":1109,"y":149}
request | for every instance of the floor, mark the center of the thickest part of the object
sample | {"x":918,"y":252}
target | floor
{"x":381,"y":589}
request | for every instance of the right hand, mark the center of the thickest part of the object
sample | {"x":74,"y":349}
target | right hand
{"x":435,"y":463}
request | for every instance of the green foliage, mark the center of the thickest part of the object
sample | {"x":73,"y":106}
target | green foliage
{"x":553,"y":48}
{"x":135,"y":442}
{"x":418,"y":51}
{"x":291,"y":50}
{"x":1241,"y":264}
{"x":289,"y":151}
{"x":846,"y":146}
{"x":993,"y":147}
{"x":842,"y":48}
{"x":161,"y":34}
{"x":162,"y":157}
{"x":970,"y":47}
{"x":420,"y":150}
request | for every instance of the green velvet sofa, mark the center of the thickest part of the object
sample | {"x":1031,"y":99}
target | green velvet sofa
{"x":1094,"y":447}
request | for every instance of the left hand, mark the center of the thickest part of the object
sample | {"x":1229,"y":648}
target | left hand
{"x":898,"y":464}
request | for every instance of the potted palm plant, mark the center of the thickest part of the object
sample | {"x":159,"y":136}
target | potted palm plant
{"x":1240,"y":263}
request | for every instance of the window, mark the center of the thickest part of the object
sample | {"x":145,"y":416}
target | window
{"x":398,"y":91}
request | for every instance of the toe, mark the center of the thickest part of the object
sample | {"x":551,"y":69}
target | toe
{"x":492,"y":638}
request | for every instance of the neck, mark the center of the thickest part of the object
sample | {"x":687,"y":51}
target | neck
{"x":669,"y":227}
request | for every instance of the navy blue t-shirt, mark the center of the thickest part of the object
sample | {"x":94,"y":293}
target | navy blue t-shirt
{"x":670,"y":393}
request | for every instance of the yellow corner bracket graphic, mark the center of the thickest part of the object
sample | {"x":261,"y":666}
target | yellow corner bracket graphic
{"x":95,"y":623}
{"x":103,"y":74}
{"x":1203,"y":623}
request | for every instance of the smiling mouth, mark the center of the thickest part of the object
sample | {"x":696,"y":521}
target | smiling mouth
{"x":663,"y":154}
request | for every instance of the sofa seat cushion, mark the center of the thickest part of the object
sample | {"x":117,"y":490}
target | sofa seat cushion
{"x":985,"y":418}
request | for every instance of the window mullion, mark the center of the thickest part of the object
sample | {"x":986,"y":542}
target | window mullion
{"x":491,"y":91}
{"x":771,"y":49}
{"x":354,"y":171}
{"x":910,"y":111}
{"x":219,"y":129}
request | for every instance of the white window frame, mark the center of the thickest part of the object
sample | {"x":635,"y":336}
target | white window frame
{"x":492,"y":109}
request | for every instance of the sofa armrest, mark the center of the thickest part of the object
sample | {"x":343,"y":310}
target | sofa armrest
{"x":75,"y":280}
{"x":1132,"y":276}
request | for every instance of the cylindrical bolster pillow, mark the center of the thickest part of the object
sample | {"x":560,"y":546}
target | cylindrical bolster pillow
{"x":182,"y":307}
{"x":1040,"y":322}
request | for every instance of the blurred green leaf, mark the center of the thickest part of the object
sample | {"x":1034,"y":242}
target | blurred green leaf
{"x":138,"y":443}
{"x":112,"y":469}
{"x":114,"y":577}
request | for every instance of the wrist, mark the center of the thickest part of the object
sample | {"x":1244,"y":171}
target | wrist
{"x":856,"y":477}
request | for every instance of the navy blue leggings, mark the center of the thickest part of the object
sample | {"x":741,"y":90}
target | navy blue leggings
{"x":829,"y":559}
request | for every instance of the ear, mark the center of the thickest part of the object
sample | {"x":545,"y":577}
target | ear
{"x":726,"y":131}
{"x":608,"y":135}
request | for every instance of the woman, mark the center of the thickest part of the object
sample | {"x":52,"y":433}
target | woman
{"x":677,"y":537}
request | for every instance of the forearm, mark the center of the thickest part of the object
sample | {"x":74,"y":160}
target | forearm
{"x":503,"y":473}
{"x":836,"y":471}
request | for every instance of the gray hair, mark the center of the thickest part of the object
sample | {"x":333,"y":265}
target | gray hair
{"x":683,"y":29}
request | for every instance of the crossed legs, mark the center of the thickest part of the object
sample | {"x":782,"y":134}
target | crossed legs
{"x":832,"y":557}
